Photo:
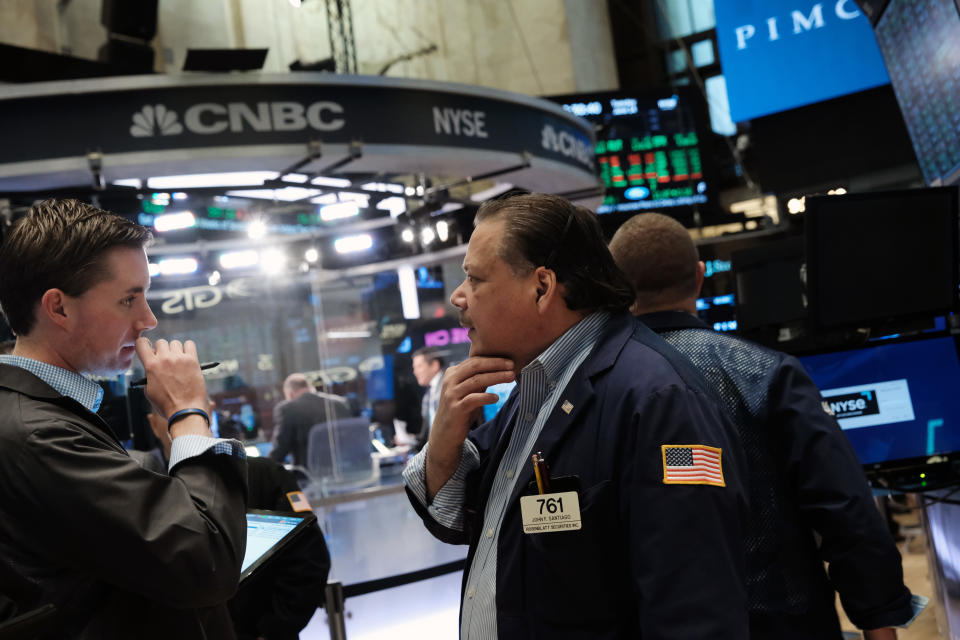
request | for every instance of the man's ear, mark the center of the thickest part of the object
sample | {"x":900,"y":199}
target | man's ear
{"x":701,"y":271}
{"x":54,"y":305}
{"x":545,"y":281}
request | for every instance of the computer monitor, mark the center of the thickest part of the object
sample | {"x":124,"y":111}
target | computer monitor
{"x":878,"y":259}
{"x":769,"y":281}
{"x":897,"y":402}
{"x":651,"y":151}
{"x":920,"y":44}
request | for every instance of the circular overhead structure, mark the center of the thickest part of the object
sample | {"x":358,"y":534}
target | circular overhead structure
{"x":57,"y":134}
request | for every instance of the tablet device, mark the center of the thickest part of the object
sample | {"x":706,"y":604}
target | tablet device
{"x":267,"y":533}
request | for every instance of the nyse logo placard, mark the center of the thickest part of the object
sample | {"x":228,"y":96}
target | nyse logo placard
{"x":208,"y":118}
{"x":849,"y":405}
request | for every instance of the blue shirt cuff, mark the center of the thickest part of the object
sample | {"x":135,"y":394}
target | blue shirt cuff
{"x":447,"y":505}
{"x":191,"y":446}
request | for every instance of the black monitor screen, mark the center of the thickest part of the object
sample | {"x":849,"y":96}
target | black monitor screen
{"x":920,"y":43}
{"x":650,"y":150}
{"x":896,"y":402}
{"x":875,"y":258}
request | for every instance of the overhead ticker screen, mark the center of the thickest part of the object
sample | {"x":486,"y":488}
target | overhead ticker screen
{"x":920,"y":41}
{"x":649,"y":153}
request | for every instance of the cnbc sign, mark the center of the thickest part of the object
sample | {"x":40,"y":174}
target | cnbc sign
{"x":783,"y":54}
{"x":208,"y":118}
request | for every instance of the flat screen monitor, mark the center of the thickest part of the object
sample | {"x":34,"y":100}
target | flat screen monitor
{"x":920,"y":43}
{"x":897,"y":403}
{"x":878,"y":258}
{"x":650,"y":152}
{"x":769,"y":283}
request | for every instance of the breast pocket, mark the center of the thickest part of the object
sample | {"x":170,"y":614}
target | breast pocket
{"x":572,"y":575}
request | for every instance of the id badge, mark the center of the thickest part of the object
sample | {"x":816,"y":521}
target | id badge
{"x":550,"y":512}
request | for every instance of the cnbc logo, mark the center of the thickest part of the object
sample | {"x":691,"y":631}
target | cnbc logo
{"x":153,"y":118}
{"x":208,"y":118}
{"x":851,"y":405}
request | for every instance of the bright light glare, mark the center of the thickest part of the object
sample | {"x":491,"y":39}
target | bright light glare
{"x":177,"y":266}
{"x":272,"y":261}
{"x":395,"y":206}
{"x":257,"y":229}
{"x":311,"y":255}
{"x":383,"y":186}
{"x":443,"y":230}
{"x":350,"y":244}
{"x":214,"y":278}
{"x":331,"y":182}
{"x":173,"y":221}
{"x":427,"y":235}
{"x":154,"y":269}
{"x":228,"y":179}
{"x":797,"y":205}
{"x":285,"y":194}
{"x":238,"y":259}
{"x":339,"y":211}
{"x":407,"y":235}
{"x":409,"y":299}
{"x":136,"y":183}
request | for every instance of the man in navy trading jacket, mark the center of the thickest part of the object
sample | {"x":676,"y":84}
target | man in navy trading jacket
{"x":802,"y":475}
{"x":120,"y":552}
{"x":631,"y":528}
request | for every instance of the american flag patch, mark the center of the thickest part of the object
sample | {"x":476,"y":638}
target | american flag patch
{"x":298,"y":501}
{"x":692,"y":464}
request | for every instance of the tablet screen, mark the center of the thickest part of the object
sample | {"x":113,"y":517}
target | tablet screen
{"x":267,"y":532}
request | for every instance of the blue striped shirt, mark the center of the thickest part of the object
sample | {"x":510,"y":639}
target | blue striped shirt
{"x":90,"y":395}
{"x":541,"y":384}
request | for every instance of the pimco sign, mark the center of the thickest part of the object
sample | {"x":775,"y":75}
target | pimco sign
{"x":782,"y":54}
{"x":208,"y":118}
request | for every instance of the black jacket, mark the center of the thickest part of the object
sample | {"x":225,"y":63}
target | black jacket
{"x":802,"y":478}
{"x":293,"y":420}
{"x":121,"y":551}
{"x":652,"y":560}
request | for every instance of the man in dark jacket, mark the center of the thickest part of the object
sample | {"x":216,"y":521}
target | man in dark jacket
{"x":803,"y":477}
{"x":119,"y":551}
{"x":295,"y":416}
{"x":631,"y":529}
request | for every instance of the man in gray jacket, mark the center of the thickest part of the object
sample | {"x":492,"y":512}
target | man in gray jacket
{"x":119,"y":551}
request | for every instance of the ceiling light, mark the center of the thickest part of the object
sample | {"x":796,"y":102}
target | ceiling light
{"x":257,"y":229}
{"x":443,"y":230}
{"x":383,"y":186}
{"x":238,"y":259}
{"x":177,"y":266}
{"x":342,"y":335}
{"x":351,"y":244}
{"x":272,"y":261}
{"x":407,"y":235}
{"x":410,"y":191}
{"x":427,"y":235}
{"x":285,"y":194}
{"x":136,"y":183}
{"x":394,"y":205}
{"x":179,"y":195}
{"x":214,"y":278}
{"x":174,"y":221}
{"x":311,"y":255}
{"x":797,"y":205}
{"x":331,"y":182}
{"x":228,"y":179}
{"x":409,"y":298}
{"x":339,"y":211}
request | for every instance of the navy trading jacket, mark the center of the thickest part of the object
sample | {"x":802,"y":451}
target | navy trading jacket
{"x":803,"y":478}
{"x":652,"y":560}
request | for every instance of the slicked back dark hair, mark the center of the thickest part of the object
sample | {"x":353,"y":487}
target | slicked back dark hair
{"x":59,"y":244}
{"x":550,"y":231}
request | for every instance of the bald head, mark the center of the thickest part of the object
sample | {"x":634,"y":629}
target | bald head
{"x":658,"y":255}
{"x":295,"y":385}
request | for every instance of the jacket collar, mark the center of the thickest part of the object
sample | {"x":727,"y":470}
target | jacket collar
{"x":666,"y":320}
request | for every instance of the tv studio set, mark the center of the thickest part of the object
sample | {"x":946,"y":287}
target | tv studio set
{"x":480,"y":319}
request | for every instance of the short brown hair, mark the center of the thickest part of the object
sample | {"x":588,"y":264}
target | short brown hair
{"x":659,"y":256}
{"x":59,"y":244}
{"x":550,"y":231}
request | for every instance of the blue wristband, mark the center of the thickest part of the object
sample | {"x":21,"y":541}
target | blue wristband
{"x":183,"y":413}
